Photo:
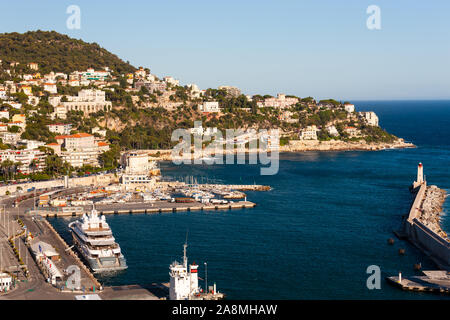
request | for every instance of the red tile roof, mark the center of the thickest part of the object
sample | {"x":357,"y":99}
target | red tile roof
{"x":80,"y":135}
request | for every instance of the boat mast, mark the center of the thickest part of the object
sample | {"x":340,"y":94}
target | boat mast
{"x":184,"y":250}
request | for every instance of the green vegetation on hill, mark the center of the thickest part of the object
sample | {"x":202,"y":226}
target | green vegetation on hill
{"x":57,"y":52}
{"x":145,"y":119}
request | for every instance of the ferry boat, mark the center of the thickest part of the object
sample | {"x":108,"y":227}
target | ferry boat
{"x":93,"y":238}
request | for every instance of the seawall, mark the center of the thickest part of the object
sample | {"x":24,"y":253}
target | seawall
{"x":422,"y":225}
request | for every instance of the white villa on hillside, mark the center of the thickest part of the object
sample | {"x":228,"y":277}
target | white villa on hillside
{"x":370,"y":117}
{"x":279,"y":102}
{"x":209,"y":106}
{"x":309,"y":133}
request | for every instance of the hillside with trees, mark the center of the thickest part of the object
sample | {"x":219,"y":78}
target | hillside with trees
{"x":57,"y":52}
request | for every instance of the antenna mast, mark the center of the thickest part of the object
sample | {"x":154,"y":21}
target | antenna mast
{"x":184,"y":251}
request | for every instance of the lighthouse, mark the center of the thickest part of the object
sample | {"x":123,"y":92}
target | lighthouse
{"x":420,"y":173}
{"x":420,"y":180}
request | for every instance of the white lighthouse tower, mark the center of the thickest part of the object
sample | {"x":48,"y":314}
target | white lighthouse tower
{"x":420,"y":179}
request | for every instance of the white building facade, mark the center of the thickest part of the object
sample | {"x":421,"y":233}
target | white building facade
{"x":309,"y":133}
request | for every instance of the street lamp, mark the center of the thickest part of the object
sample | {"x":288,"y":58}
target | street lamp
{"x":206,"y":276}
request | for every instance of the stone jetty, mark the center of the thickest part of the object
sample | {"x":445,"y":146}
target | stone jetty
{"x":431,"y":210}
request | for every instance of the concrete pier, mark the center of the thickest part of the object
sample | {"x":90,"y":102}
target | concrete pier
{"x":431,"y":281}
{"x":141,"y":208}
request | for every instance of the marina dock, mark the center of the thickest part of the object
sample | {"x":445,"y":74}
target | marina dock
{"x":432,"y":281}
{"x":145,"y":208}
{"x":35,"y":207}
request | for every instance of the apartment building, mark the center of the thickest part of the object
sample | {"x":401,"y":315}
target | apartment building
{"x":29,"y":160}
{"x":88,"y":101}
{"x":138,"y":171}
{"x":60,"y":128}
{"x":80,"y":149}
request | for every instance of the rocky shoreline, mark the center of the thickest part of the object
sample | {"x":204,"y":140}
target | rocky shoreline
{"x":307,"y":145}
{"x":336,"y":145}
{"x":431,"y":210}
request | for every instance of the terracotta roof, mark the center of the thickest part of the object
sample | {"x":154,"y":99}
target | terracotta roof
{"x":76,"y":135}
{"x":80,"y":135}
{"x":52,"y":144}
{"x":102,"y":144}
{"x":62,"y":137}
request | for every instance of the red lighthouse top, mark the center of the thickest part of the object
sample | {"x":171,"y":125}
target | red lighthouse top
{"x":420,"y":164}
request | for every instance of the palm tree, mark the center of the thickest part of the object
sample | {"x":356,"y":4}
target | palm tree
{"x":6,"y":167}
{"x":33,"y":165}
{"x":16,"y":166}
{"x":3,"y":166}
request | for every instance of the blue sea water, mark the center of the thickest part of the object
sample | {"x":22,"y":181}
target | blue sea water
{"x":327,"y":218}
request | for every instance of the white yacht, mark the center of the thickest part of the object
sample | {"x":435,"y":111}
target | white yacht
{"x":94,"y":240}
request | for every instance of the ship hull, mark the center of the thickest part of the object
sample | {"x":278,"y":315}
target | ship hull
{"x":100,"y":264}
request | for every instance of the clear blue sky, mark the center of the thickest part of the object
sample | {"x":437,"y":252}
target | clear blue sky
{"x":320,"y":48}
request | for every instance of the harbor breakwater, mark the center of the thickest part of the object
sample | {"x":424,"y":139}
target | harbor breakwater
{"x":422,"y":225}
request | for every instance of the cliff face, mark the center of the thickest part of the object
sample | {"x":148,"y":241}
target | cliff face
{"x":113,"y":123}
